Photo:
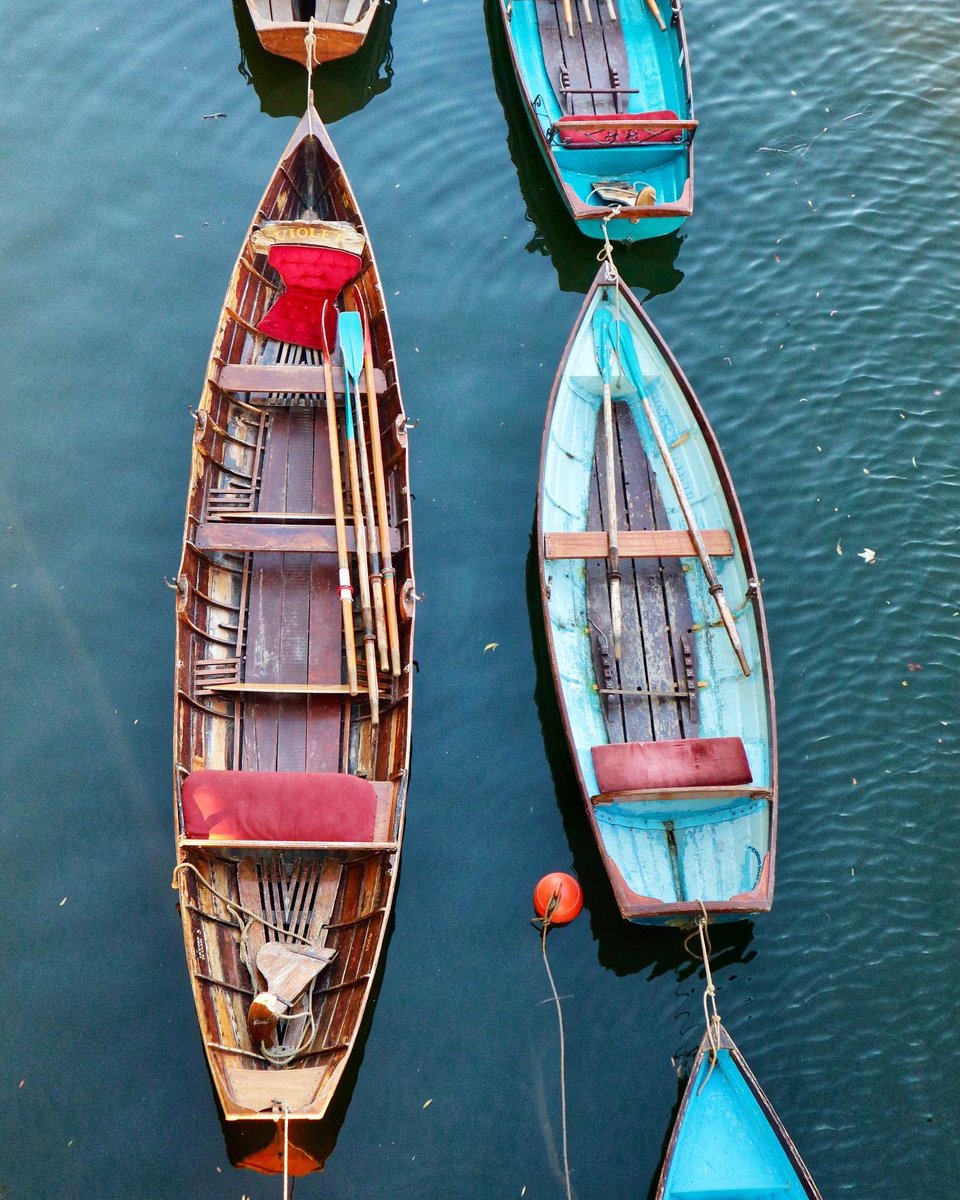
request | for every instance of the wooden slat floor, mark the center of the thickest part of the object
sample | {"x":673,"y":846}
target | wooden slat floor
{"x":657,"y":642}
{"x":293,"y":622}
{"x":595,"y":57}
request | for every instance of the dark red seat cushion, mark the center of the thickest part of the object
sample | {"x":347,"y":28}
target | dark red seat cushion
{"x":690,"y":762}
{"x":306,"y":314}
{"x":278,"y":806}
{"x":618,"y":129}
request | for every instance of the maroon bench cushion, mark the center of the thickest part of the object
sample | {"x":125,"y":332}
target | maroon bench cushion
{"x":305,"y":314}
{"x":278,"y":806}
{"x":616,"y":129}
{"x":690,"y":762}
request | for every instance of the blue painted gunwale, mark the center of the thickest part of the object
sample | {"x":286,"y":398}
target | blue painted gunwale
{"x":727,"y":1142}
{"x":731,"y":705}
{"x":670,"y":167}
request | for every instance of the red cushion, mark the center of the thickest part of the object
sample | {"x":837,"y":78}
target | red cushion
{"x":305,"y":314}
{"x":278,"y":806}
{"x":690,"y":762}
{"x":618,"y":129}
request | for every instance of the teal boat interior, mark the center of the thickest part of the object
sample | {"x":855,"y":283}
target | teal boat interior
{"x":588,"y":92}
{"x":678,"y":686}
{"x":728,"y":1143}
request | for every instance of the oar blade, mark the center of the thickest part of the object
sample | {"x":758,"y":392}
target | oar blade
{"x":603,"y":340}
{"x":350,"y":329}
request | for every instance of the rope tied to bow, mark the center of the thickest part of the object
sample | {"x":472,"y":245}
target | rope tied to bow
{"x":710,"y":1014}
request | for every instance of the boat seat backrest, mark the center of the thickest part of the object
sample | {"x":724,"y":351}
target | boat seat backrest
{"x":305,"y":313}
{"x":617,"y":129}
{"x":683,"y":763}
{"x":278,"y":806}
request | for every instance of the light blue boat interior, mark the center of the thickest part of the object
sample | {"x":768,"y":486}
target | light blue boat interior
{"x":726,"y":1148}
{"x":655,"y":70}
{"x":670,"y":850}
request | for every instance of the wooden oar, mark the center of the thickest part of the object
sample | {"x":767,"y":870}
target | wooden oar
{"x":652,"y":5}
{"x":625,"y":351}
{"x":288,"y":971}
{"x":588,"y":14}
{"x":568,"y":17}
{"x":603,"y":346}
{"x":351,"y":346}
{"x":383,"y":517}
{"x":343,"y":561}
{"x":611,"y":11}
{"x":360,"y":535}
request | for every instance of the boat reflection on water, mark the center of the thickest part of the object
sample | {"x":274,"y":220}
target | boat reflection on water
{"x":340,"y":87}
{"x":649,"y":267}
{"x":622,"y":947}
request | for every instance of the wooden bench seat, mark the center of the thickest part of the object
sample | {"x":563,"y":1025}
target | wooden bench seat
{"x":298,"y":380}
{"x":724,"y":792}
{"x":644,"y":543}
{"x":248,"y":538}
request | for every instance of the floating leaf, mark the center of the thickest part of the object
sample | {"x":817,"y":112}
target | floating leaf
{"x":490,"y":646}
{"x":839,"y":548}
{"x":912,"y":666}
{"x":428,"y":1103}
{"x":868,"y":556}
{"x":63,"y":902}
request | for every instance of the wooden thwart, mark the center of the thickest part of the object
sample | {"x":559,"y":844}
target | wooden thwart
{"x":725,"y":792}
{"x":643,"y":543}
{"x":276,"y":539}
{"x":257,"y":377}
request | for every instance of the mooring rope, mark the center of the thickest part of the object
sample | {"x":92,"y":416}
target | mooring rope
{"x":710,"y":1014}
{"x":544,"y":923}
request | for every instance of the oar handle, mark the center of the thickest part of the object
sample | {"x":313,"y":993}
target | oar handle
{"x":654,"y":8}
{"x":568,"y":17}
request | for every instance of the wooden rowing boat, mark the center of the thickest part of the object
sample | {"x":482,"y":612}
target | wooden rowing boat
{"x":610,"y":102}
{"x":727,"y":1142}
{"x":291,"y":753}
{"x":340,"y":25}
{"x":673,"y":745}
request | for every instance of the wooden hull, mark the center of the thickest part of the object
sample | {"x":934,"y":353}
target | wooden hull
{"x":260,"y":671}
{"x":666,"y":851}
{"x":335,"y":38}
{"x":727,"y":1140}
{"x":561,"y":81}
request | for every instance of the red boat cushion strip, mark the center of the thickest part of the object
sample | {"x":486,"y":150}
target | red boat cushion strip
{"x":689,"y":762}
{"x":617,"y":129}
{"x":278,"y":806}
{"x":305,"y":314}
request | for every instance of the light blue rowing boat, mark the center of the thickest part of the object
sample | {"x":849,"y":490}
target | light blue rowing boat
{"x":611,"y":105}
{"x":727,"y":1142}
{"x":673,"y":738}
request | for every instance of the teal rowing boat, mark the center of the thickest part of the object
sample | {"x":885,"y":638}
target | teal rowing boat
{"x":727,"y":1142}
{"x":655,"y":626}
{"x":607,"y":91}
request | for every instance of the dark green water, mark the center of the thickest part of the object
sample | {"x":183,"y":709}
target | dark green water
{"x":811,"y":300}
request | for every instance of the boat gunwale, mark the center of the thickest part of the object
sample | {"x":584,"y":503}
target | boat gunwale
{"x":658,"y":911}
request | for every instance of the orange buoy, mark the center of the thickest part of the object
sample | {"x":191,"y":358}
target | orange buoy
{"x":569,"y":898}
